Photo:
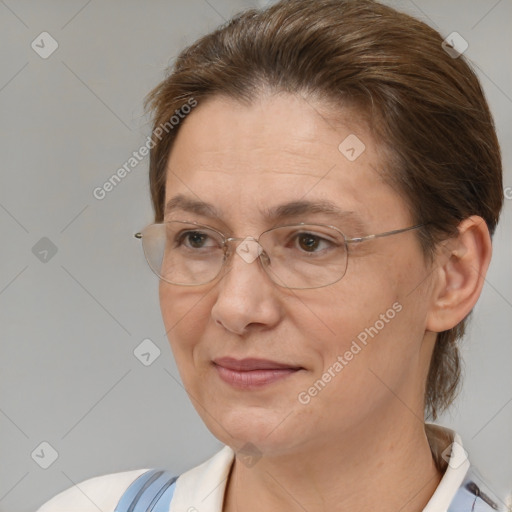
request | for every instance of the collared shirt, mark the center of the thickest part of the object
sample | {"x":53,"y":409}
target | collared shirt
{"x":202,"y":488}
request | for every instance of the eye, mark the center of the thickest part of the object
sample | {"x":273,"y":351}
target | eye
{"x":194,"y":239}
{"x":310,"y":242}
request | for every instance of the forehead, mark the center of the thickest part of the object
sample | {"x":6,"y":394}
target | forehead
{"x":279,"y":125}
{"x":248,"y":159}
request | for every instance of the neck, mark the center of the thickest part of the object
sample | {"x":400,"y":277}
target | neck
{"x":383,"y":465}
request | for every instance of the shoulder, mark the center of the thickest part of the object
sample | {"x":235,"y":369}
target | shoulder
{"x":462,"y":488}
{"x":103,"y":493}
{"x":475,"y":495}
{"x":98,"y":493}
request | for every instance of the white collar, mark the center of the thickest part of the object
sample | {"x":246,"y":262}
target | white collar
{"x":446,"y":446}
{"x":202,"y":488}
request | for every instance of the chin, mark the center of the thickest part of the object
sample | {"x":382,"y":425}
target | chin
{"x":244,"y":427}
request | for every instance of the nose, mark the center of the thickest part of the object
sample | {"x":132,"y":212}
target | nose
{"x":246,"y":295}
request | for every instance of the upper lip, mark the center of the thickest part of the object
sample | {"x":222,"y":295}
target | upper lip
{"x":252,"y":363}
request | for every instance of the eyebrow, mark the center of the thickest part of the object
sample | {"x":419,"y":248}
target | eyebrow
{"x":277,"y":213}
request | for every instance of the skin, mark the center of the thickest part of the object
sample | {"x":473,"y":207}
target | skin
{"x":365,"y":429}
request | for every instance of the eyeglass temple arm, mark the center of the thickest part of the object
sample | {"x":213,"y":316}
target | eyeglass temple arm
{"x":379,"y":235}
{"x":347,"y":240}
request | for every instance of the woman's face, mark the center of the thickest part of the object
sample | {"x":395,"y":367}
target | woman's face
{"x":337,"y":359}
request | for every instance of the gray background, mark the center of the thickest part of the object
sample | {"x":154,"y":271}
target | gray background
{"x":69,"y":325}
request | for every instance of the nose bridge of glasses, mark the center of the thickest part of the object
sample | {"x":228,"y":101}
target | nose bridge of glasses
{"x":235,"y":238}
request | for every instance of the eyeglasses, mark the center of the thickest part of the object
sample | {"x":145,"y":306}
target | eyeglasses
{"x":296,"y":256}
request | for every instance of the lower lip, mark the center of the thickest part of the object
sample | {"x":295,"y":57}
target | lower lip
{"x":251,"y":379}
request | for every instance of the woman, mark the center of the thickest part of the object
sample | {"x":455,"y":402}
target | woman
{"x":326,"y":180}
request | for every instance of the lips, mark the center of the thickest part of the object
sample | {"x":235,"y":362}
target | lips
{"x":251,"y":364}
{"x":252,"y":373}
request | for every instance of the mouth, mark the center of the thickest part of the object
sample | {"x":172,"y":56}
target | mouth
{"x":252,"y":373}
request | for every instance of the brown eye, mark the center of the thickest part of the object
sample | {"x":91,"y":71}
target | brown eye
{"x":308,"y":242}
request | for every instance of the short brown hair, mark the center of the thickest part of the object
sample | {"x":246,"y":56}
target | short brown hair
{"x":426,"y":108}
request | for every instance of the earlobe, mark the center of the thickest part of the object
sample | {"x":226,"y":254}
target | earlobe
{"x":460,"y":274}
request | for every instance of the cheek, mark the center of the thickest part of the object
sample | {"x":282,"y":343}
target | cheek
{"x":371,"y":316}
{"x":185,"y":316}
{"x":373,"y":350}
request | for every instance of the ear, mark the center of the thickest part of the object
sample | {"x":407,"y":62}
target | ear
{"x":460,"y":270}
